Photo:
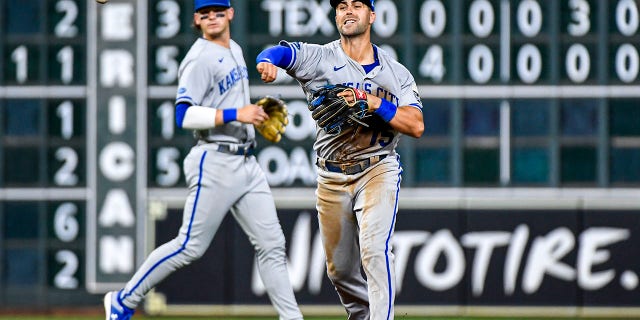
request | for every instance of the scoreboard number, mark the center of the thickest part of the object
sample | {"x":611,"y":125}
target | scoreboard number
{"x":65,"y":57}
{"x":578,"y":63}
{"x":168,"y":165}
{"x":529,"y":63}
{"x":481,"y":18}
{"x":167,"y":64}
{"x":480,"y":64}
{"x":65,"y":223}
{"x":627,"y":17}
{"x":432,"y":64}
{"x":65,"y":278}
{"x":529,"y":18}
{"x":433,"y":18}
{"x":627,"y":65}
{"x":20,"y":57}
{"x":580,"y":12}
{"x":65,"y":176}
{"x":168,"y":18}
{"x":167,"y":119}
{"x":66,"y":27}
{"x":65,"y":112}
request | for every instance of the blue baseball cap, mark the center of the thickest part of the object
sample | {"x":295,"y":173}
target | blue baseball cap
{"x":199,"y":4}
{"x":369,"y":3}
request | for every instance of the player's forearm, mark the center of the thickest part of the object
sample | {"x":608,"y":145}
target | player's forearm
{"x":405,"y":119}
{"x":200,"y":118}
{"x":279,"y":56}
{"x":408,"y":120}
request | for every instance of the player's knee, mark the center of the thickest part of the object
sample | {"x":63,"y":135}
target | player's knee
{"x":275,"y":245}
{"x":375,"y":260}
{"x":338,"y":272}
{"x":193,"y":253}
{"x":272,"y":250}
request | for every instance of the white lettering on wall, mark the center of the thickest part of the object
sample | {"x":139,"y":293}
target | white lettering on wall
{"x":299,"y":18}
{"x":117,"y":22}
{"x":116,"y":254}
{"x":116,"y":210}
{"x":545,"y":258}
{"x":116,"y":68}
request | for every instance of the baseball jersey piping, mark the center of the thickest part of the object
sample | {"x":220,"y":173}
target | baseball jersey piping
{"x":186,"y":240}
{"x":294,"y":57}
{"x":386,"y":249}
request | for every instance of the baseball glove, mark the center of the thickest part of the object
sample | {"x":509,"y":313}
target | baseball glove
{"x":273,"y":128}
{"x":333,"y":112}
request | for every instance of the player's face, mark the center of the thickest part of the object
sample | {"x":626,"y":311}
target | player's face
{"x":353,"y":18}
{"x":213,"y":21}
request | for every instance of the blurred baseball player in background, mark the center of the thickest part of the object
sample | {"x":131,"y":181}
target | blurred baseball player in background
{"x":359,"y":170}
{"x":221,"y":172}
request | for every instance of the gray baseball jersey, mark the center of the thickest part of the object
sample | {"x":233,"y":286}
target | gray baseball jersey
{"x":219,"y":182}
{"x":357,"y":211}
{"x":213,"y":76}
{"x":317,"y":65}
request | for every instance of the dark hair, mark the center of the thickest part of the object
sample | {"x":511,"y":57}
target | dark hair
{"x":368,"y":3}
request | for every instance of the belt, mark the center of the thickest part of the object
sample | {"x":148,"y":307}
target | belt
{"x":235,"y":149}
{"x":349,"y":168}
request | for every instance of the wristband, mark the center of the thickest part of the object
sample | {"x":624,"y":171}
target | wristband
{"x":387,"y":110}
{"x":229,"y":115}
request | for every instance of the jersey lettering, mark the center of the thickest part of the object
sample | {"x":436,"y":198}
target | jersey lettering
{"x":387,"y":95}
{"x":233,"y":78}
{"x":380,"y":92}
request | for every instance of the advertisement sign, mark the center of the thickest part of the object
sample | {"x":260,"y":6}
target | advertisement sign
{"x":455,"y":257}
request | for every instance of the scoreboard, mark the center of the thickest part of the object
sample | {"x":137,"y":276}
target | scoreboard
{"x":517,"y":93}
{"x":533,"y":93}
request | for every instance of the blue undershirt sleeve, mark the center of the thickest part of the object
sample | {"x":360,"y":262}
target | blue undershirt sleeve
{"x":181,"y":109}
{"x":280,"y":56}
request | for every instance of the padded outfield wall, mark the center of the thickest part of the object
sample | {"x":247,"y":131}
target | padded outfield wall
{"x":521,"y":252}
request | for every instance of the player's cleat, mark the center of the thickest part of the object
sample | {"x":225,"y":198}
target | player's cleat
{"x":114,"y":309}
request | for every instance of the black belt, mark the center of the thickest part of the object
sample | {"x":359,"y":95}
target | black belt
{"x":235,"y":149}
{"x":349,"y":168}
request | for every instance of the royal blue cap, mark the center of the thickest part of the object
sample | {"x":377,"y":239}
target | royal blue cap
{"x":369,"y":3}
{"x":199,"y":4}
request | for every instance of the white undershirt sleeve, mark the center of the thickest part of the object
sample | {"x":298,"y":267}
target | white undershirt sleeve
{"x":199,"y":117}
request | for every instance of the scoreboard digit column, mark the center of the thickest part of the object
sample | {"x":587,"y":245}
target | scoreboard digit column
{"x":42,"y":150}
{"x":623,"y":69}
{"x":170,"y":37}
{"x":115,"y":204}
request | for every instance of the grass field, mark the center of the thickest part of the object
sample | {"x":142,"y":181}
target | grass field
{"x":142,"y":317}
{"x":248,"y":318}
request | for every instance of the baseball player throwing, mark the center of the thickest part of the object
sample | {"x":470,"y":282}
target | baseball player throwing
{"x":359,"y":170}
{"x":221,"y":173}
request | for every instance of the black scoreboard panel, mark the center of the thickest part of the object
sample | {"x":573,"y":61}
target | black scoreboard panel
{"x":533,"y":88}
{"x":516,"y":93}
{"x":43,"y":153}
{"x":520,"y":93}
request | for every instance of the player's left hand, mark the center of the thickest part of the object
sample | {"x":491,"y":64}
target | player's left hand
{"x":273,"y":128}
{"x":335,"y":107}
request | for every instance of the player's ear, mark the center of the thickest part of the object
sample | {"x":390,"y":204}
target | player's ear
{"x":230,"y":12}
{"x":196,"y":21}
{"x":372,"y":17}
